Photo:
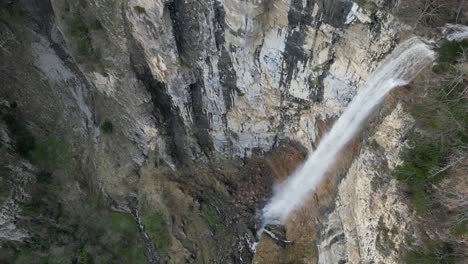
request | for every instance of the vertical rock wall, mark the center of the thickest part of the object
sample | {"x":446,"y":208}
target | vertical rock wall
{"x":190,"y":80}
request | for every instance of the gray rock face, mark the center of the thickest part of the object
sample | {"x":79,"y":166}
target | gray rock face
{"x":185,"y":80}
{"x":22,"y":176}
{"x":241,"y":75}
{"x":370,"y":220}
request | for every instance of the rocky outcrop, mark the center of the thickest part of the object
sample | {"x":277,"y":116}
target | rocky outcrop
{"x":184,"y":79}
{"x":370,"y":220}
{"x":240,"y":76}
{"x":193,"y":94}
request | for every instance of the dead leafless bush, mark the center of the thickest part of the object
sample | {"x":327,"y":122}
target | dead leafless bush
{"x":428,"y":13}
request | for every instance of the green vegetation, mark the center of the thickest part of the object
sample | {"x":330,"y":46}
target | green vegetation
{"x":449,"y":53}
{"x":27,"y":258}
{"x":24,"y":140}
{"x":10,"y":11}
{"x":108,"y":237}
{"x":122,"y":236}
{"x":51,"y":154}
{"x":95,"y":25}
{"x":84,"y":230}
{"x":440,"y":253}
{"x":62,"y":260}
{"x":107,"y":127}
{"x":157,"y":228}
{"x":213,"y":218}
{"x":89,"y":235}
{"x":80,"y":30}
{"x":369,"y":6}
{"x":460,"y":229}
{"x":440,"y":137}
{"x":417,"y":171}
{"x":140,"y":10}
{"x":442,"y":125}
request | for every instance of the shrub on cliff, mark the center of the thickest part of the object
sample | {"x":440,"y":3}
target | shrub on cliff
{"x":448,"y":55}
{"x":435,"y":253}
{"x":140,"y":10}
{"x":438,"y":145}
{"x":80,"y":29}
{"x":52,"y":154}
{"x":441,"y":126}
{"x":107,"y":127}
{"x":419,"y":169}
{"x":23,"y":139}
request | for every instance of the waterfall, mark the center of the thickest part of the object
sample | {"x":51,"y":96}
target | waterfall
{"x":459,"y":32}
{"x":398,"y":69}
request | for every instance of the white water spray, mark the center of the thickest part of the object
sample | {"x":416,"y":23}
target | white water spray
{"x":458,"y":32}
{"x":398,"y":69}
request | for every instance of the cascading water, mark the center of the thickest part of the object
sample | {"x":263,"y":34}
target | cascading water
{"x":398,"y":69}
{"x":459,"y":32}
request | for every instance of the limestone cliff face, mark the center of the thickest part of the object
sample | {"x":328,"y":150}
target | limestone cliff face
{"x":241,"y":75}
{"x":184,"y":82}
{"x":183,"y":79}
{"x":370,"y":220}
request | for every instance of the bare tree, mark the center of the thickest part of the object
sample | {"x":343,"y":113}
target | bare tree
{"x":428,"y":12}
{"x":431,"y":11}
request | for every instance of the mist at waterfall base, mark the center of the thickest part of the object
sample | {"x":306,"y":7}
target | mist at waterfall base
{"x":398,"y":69}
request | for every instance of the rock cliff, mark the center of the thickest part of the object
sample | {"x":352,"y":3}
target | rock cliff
{"x":170,"y":113}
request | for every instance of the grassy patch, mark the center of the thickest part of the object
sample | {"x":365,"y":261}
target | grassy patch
{"x":110,"y":237}
{"x":87,"y":232}
{"x":213,"y":218}
{"x":84,"y":230}
{"x":122,"y":237}
{"x":460,"y":229}
{"x":80,"y":30}
{"x":52,"y":154}
{"x":122,"y":223}
{"x":157,"y":228}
